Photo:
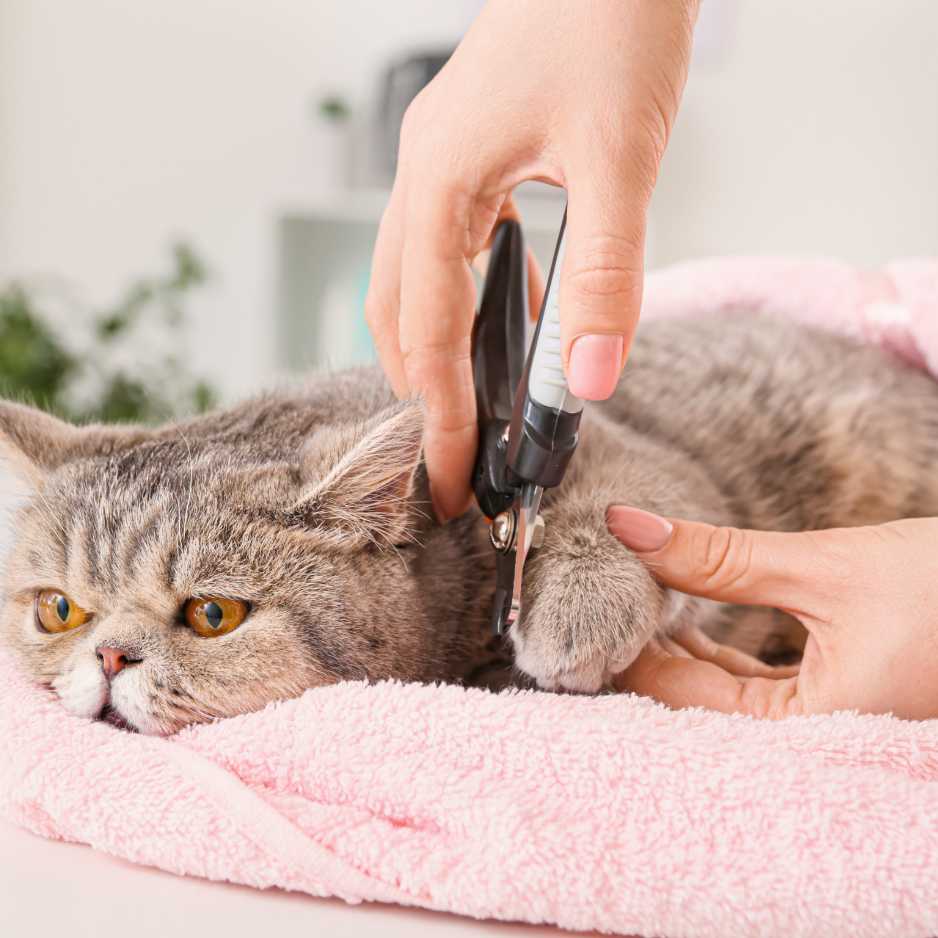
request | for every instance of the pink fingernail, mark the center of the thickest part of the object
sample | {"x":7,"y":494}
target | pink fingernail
{"x":640,"y":530}
{"x":593,"y":369}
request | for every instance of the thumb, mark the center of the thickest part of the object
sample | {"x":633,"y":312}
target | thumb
{"x":601,"y":281}
{"x":800,"y":573}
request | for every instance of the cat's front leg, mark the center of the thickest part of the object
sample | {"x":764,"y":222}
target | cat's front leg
{"x":589,"y":603}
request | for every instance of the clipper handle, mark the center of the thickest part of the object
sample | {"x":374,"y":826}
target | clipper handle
{"x":546,"y":417}
{"x":547,"y":383}
{"x":498,"y":361}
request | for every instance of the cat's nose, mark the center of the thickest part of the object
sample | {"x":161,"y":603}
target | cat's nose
{"x":113,"y":660}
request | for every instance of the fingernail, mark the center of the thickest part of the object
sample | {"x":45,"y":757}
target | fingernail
{"x":640,"y":530}
{"x":593,"y":369}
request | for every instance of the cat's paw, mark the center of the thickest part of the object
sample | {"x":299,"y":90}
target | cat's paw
{"x":554,"y":669}
{"x":589,"y":608}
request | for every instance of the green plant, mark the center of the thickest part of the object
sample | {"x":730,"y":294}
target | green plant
{"x":334,"y":108}
{"x":84,"y":378}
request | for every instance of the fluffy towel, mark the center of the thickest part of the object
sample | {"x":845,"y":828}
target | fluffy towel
{"x":608,"y":813}
{"x":896,"y":306}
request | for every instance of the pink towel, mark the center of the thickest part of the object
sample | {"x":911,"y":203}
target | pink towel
{"x":896,"y":306}
{"x":608,"y":813}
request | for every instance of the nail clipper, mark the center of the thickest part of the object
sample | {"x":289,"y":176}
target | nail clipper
{"x":528,"y":419}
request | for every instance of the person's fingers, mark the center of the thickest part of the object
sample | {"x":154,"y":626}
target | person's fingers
{"x":679,"y":681}
{"x":382,"y":304}
{"x":688,"y":682}
{"x":436,"y":315}
{"x":699,"y":645}
{"x":672,"y":647}
{"x":601,"y":276}
{"x":800,"y":573}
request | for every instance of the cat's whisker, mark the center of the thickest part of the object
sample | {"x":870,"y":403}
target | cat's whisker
{"x":190,"y":711}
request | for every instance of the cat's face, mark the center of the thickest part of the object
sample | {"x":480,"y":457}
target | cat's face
{"x":175,"y":576}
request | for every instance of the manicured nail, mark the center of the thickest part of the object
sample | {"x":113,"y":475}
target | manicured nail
{"x":640,"y":530}
{"x":593,"y":369}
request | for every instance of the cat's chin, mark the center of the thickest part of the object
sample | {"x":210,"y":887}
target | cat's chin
{"x":113,"y":716}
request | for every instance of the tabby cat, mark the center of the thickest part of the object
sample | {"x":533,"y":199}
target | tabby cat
{"x":162,"y":577}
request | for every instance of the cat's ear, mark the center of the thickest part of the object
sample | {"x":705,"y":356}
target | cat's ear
{"x":367,"y":496}
{"x":36,"y":443}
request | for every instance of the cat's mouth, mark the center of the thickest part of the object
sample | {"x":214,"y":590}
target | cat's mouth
{"x":113,"y":716}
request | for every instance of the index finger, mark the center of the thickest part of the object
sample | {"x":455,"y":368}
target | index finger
{"x":437,"y":309}
{"x":797,"y":572}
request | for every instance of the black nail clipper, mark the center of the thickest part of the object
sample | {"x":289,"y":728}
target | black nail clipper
{"x":528,"y":419}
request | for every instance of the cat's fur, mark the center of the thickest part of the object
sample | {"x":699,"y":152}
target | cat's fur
{"x":313,"y":508}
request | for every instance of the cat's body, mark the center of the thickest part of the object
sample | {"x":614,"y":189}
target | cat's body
{"x":312,"y":508}
{"x":760,"y":424}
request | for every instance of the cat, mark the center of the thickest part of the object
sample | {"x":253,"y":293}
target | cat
{"x":168,"y":576}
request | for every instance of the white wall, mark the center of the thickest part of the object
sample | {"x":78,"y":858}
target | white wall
{"x":807,"y":127}
{"x":123,"y":124}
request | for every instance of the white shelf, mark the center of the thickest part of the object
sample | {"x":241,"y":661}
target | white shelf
{"x":324,"y":250}
{"x":541,"y":207}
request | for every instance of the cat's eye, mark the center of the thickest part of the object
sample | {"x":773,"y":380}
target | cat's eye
{"x":211,"y":616}
{"x":56,"y":612}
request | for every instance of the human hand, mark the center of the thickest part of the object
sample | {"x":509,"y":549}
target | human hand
{"x":868,"y":597}
{"x":582,"y":95}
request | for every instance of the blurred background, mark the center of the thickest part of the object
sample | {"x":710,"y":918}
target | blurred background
{"x":189,"y":189}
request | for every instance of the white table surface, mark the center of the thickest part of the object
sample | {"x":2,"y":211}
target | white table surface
{"x":53,"y":889}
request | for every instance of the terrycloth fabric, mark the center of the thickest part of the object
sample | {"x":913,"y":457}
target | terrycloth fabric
{"x":607,"y":813}
{"x":896,"y":306}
